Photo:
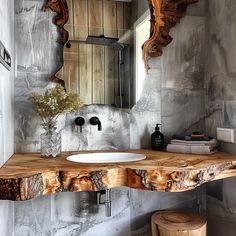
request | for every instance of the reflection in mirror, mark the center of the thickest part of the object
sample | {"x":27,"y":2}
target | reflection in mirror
{"x":99,"y":58}
{"x":141,"y":34}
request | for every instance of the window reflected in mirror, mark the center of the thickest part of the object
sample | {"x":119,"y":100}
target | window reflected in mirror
{"x":141,"y":34}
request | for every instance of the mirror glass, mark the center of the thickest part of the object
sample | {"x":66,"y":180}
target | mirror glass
{"x":103,"y":57}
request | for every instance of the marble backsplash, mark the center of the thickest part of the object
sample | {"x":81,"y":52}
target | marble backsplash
{"x":166,"y":97}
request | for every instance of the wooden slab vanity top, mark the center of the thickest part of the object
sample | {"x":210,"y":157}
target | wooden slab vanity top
{"x":26,"y":176}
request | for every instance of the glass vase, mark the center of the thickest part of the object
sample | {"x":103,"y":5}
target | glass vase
{"x":50,"y":143}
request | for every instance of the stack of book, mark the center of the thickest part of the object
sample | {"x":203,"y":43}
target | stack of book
{"x":192,"y":144}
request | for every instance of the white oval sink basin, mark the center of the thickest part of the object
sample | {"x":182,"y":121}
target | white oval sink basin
{"x":106,"y":157}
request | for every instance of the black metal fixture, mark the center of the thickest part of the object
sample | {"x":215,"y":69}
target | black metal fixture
{"x":5,"y":57}
{"x":104,"y":197}
{"x":80,"y":122}
{"x":95,"y":121}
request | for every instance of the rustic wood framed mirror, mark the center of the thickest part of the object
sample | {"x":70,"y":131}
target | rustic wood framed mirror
{"x":99,"y":49}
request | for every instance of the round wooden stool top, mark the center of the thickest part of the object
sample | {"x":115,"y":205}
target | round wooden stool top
{"x":177,"y":220}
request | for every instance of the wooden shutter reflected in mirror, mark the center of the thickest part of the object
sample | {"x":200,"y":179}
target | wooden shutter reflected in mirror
{"x":91,"y":70}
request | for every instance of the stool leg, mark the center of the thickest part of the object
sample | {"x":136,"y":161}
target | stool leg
{"x":155,"y":230}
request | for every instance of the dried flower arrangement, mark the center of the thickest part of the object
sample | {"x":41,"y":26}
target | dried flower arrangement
{"x":54,"y":102}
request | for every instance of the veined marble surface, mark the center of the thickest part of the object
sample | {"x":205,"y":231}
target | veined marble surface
{"x":182,"y":80}
{"x":38,"y":56}
{"x":221,"y":64}
{"x":63,"y":215}
{"x":114,"y":134}
{"x":66,"y":214}
{"x":220,"y":87}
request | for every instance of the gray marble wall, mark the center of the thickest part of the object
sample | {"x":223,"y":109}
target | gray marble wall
{"x":166,"y":97}
{"x":61,"y":214}
{"x":38,"y":55}
{"x":182,"y":83}
{"x":220,"y":88}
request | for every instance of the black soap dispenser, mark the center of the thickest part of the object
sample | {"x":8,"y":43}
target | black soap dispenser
{"x":157,"y":139}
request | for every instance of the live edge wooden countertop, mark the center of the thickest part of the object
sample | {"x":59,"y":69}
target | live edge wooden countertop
{"x":25,"y":176}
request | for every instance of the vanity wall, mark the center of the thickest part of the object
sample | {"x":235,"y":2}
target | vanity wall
{"x":64,"y":214}
{"x":220,"y":87}
{"x":6,"y":108}
{"x":182,"y":80}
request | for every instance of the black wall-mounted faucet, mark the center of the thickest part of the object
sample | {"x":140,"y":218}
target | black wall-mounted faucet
{"x":80,"y":122}
{"x":95,"y":121}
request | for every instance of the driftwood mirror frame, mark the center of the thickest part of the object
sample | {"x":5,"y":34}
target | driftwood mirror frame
{"x":164,"y":15}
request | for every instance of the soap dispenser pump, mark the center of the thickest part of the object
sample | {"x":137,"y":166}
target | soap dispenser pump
{"x":157,"y":139}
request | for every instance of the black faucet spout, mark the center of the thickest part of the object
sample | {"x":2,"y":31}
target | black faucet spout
{"x":95,"y":121}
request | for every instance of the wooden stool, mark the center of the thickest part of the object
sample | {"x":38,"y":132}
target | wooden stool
{"x":176,"y":223}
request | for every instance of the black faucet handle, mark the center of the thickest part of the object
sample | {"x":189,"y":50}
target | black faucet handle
{"x":80,"y":122}
{"x":95,"y":121}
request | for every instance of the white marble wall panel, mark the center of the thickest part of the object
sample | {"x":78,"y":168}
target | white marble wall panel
{"x":147,"y":112}
{"x":182,"y":78}
{"x":220,"y":66}
{"x":29,"y":21}
{"x":220,"y":220}
{"x":220,"y":88}
{"x":38,"y":56}
{"x":230,"y":113}
{"x":69,"y":219}
{"x":183,"y":59}
{"x":6,"y":218}
{"x":33,"y":217}
{"x":182,"y":111}
{"x":64,"y":214}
